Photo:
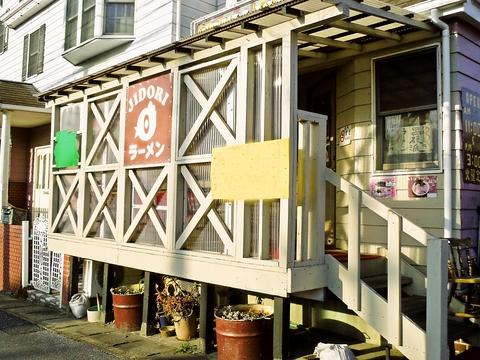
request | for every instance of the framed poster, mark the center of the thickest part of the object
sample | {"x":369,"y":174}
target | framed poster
{"x":148,"y":121}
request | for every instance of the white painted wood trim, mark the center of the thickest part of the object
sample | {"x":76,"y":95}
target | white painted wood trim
{"x":66,"y":202}
{"x":208,"y":107}
{"x":354,"y":226}
{"x":394,"y":286}
{"x":437,"y":308}
{"x":101,"y":203}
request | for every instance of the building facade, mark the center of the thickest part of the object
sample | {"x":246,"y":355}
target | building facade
{"x":230,"y":185}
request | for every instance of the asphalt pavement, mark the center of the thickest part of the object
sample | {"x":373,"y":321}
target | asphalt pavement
{"x":22,"y":339}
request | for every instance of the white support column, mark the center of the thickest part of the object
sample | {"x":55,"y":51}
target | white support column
{"x":25,"y":252}
{"x":5,"y":157}
{"x":288,"y":207}
{"x":437,"y":308}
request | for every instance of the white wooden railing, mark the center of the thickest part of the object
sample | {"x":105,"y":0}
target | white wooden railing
{"x":437,"y":255}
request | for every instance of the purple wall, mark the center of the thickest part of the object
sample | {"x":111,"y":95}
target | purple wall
{"x":465,"y":48}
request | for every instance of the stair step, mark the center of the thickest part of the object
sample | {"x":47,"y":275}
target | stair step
{"x":381,"y":281}
{"x":414,"y":304}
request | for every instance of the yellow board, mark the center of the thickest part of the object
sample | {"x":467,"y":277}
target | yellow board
{"x":252,"y":171}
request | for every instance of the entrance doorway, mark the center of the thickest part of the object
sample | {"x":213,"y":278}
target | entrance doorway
{"x":316,"y":93}
{"x":41,"y":180}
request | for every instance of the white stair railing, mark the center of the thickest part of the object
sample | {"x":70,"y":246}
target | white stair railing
{"x":435,"y":346}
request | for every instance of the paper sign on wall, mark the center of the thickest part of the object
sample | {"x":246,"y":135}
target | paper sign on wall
{"x":385,"y":187}
{"x":345,"y":135}
{"x":148,"y":123}
{"x":422,"y":186}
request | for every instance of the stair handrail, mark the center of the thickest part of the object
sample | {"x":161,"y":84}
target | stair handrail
{"x":437,"y":257}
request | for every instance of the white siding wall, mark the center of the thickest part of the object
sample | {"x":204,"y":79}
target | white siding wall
{"x":355,"y":162}
{"x":154,"y":28}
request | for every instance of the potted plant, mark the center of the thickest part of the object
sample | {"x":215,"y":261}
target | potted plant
{"x":181,"y":305}
{"x":244,"y":332}
{"x":128,"y":306}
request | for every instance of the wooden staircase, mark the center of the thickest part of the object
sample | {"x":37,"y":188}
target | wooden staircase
{"x":415,"y":325}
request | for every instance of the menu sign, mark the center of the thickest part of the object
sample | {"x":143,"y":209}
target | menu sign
{"x":148,"y":121}
{"x":471,"y":136}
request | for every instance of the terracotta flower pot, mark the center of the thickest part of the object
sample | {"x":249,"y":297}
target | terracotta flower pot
{"x":245,"y":339}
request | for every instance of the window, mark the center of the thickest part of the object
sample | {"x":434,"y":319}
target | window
{"x":80,"y":20}
{"x":407,"y":111}
{"x":3,"y":37}
{"x":119,"y":17}
{"x":71,"y":19}
{"x":33,"y":50}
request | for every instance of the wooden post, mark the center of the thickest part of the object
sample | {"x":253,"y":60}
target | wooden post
{"x":354,"y":211}
{"x":207,"y":304}
{"x":437,"y":307}
{"x":107,"y":311}
{"x":149,"y":305}
{"x":281,"y":324}
{"x":394,"y":287}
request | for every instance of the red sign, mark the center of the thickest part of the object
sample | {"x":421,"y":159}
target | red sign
{"x":148,"y":123}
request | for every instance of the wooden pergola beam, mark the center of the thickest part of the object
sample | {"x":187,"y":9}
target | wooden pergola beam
{"x":312,"y":54}
{"x":387,"y":15}
{"x":349,"y":26}
{"x":329,"y":42}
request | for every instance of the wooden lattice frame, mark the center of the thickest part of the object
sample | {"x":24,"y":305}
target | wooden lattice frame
{"x":147,"y":205}
{"x":104,"y":122}
{"x":65,"y":204}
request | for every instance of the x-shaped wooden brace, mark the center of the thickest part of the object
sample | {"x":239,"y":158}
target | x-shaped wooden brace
{"x":66,"y":196}
{"x":208,"y":110}
{"x":205,"y":208}
{"x":106,"y":212}
{"x":104,"y":130}
{"x":147,"y":205}
{"x":101,"y":204}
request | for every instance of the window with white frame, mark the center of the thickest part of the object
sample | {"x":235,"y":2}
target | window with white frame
{"x":117,"y":19}
{"x":33,"y":51}
{"x":3,"y":37}
{"x":407,"y":116}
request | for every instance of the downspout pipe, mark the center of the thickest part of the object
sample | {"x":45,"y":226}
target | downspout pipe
{"x":178,"y":24}
{"x":447,"y":126}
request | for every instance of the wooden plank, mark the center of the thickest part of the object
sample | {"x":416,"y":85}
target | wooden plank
{"x":437,"y":307}
{"x":394,"y":287}
{"x":350,"y":26}
{"x":387,"y":15}
{"x":354,"y":211}
{"x":328,"y":42}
